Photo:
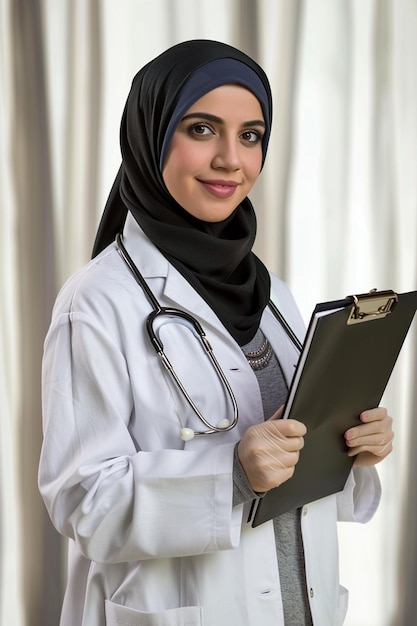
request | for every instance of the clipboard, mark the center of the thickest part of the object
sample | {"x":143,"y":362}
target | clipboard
{"x":346,"y":361}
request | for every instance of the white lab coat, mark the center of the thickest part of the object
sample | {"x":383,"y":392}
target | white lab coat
{"x":154,"y":540}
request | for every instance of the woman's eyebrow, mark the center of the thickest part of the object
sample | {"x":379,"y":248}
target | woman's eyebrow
{"x":219,"y":120}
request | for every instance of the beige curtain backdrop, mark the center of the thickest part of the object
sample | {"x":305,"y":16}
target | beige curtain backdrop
{"x":336,"y":204}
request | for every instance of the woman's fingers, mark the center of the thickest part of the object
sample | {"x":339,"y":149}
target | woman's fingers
{"x":269,"y":452}
{"x":370,"y":441}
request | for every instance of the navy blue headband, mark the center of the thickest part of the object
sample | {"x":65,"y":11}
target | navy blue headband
{"x":210,"y":76}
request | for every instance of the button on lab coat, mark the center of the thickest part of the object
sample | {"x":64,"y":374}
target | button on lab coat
{"x":153,"y":537}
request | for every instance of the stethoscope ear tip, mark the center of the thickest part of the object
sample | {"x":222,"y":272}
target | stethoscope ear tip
{"x":223,"y":424}
{"x":187,"y":434}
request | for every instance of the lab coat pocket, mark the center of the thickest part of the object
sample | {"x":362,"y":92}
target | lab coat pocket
{"x":341,"y":610}
{"x":119,"y":615}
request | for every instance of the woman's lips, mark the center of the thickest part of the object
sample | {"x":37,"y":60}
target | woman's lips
{"x":220,"y":188}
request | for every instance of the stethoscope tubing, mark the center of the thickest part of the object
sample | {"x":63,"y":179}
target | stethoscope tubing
{"x":157,"y":311}
{"x":289,"y":331}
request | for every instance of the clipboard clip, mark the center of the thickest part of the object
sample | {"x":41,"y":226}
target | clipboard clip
{"x":372,"y":305}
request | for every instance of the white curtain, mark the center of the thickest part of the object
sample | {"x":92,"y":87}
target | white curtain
{"x":336,"y":204}
{"x":352,"y":226}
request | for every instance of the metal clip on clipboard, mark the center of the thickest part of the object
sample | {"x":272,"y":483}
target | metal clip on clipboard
{"x":372,"y":305}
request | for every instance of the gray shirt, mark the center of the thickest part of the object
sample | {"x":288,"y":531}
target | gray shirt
{"x":287,"y":527}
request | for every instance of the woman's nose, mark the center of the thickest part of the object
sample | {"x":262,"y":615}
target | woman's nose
{"x":227,"y":154}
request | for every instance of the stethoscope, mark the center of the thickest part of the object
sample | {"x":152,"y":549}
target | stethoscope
{"x":158,"y":311}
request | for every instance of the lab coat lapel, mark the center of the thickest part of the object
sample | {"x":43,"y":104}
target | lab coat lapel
{"x":176,"y":291}
{"x":183,"y":295}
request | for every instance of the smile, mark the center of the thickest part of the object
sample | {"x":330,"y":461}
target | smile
{"x":219,"y":188}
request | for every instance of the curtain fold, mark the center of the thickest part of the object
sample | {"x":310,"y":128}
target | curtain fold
{"x":407,"y":553}
{"x":9,"y":536}
{"x":337,"y":212}
{"x":278,"y":49}
{"x":34,"y":269}
{"x":403,"y":18}
{"x":80,"y":152}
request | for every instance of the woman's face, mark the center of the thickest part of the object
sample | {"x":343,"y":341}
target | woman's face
{"x":215,"y":155}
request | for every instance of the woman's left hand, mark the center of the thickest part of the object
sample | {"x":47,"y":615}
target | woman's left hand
{"x":370,"y":441}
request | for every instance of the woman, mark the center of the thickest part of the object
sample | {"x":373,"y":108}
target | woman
{"x":155,"y":511}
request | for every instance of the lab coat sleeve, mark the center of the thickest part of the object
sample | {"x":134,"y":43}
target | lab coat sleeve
{"x":360,"y":498}
{"x":117,"y":503}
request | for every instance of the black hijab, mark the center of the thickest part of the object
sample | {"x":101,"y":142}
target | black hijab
{"x":216,"y":258}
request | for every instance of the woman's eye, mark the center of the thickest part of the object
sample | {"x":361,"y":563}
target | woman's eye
{"x":201,"y":130}
{"x":251,"y":136}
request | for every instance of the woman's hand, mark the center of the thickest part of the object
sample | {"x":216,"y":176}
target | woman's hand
{"x":370,"y":441}
{"x":269,"y":452}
